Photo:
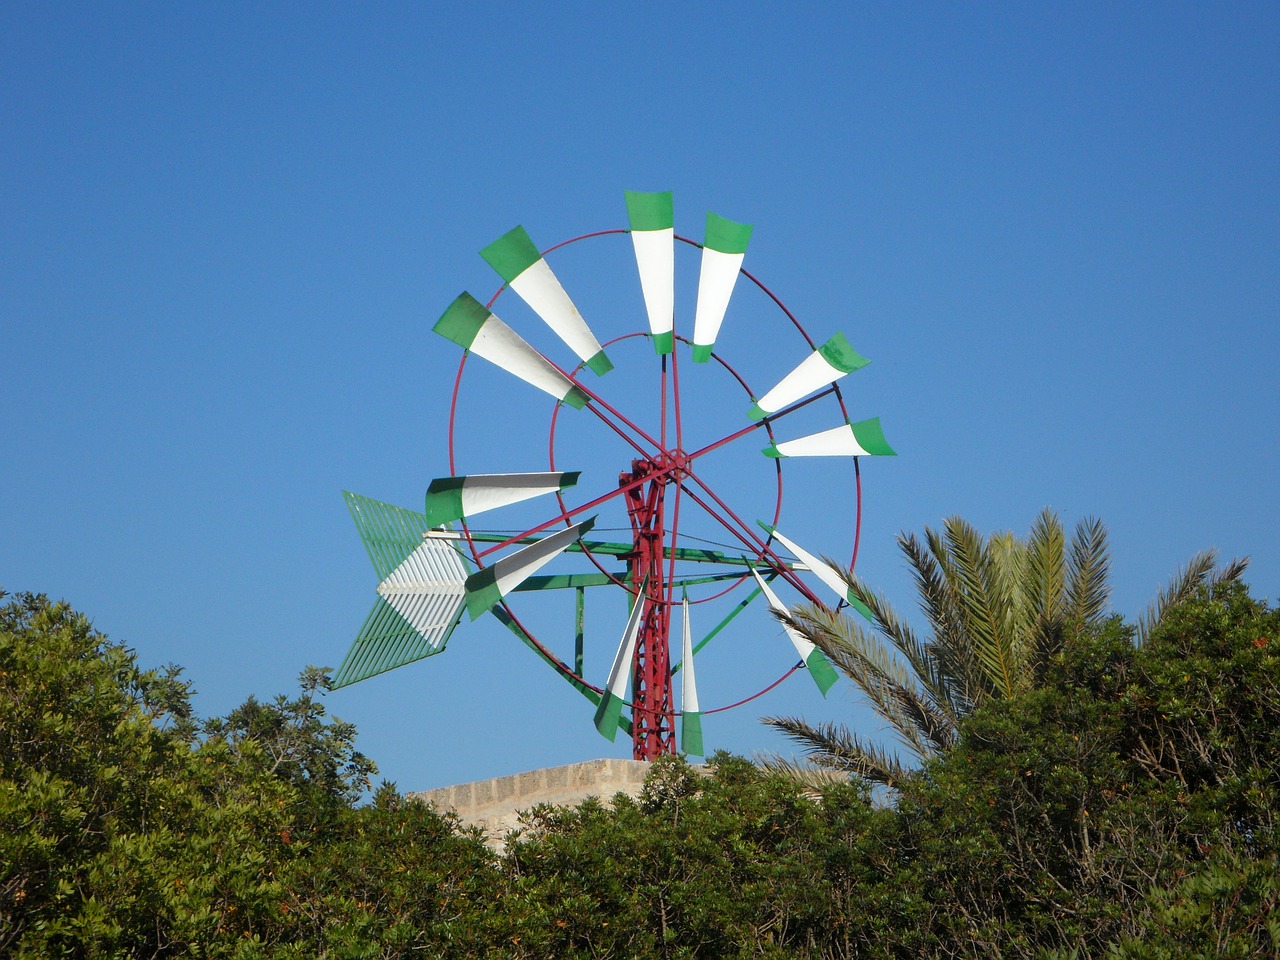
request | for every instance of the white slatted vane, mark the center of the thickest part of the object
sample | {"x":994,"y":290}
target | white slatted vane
{"x":428,"y":589}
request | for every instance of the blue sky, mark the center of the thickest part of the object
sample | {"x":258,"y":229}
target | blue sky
{"x":226,"y":230}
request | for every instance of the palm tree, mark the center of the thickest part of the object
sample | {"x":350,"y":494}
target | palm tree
{"x":997,"y":608}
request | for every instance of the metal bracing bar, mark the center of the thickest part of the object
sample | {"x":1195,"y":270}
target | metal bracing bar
{"x":577,"y":631}
{"x":564,"y":581}
{"x":576,"y":581}
{"x":742,"y":605}
{"x":623,"y":723}
{"x":695,"y":554}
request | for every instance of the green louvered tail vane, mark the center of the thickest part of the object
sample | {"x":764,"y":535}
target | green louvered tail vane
{"x":421,"y":590}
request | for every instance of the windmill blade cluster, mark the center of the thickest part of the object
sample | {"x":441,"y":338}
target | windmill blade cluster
{"x":427,"y":580}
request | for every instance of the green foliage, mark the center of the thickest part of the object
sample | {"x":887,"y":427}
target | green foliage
{"x":294,"y":741}
{"x":1123,"y":806}
{"x":731,"y":863}
{"x":1062,"y":816}
{"x":122,"y":834}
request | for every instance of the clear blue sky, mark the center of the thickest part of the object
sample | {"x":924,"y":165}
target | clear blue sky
{"x":226,"y":231}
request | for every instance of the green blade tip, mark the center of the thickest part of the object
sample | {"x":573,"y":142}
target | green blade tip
{"x":838,"y":352}
{"x":870,"y":437}
{"x":650,"y":211}
{"x":599,"y":364}
{"x":726,"y":236}
{"x":462,"y":320}
{"x":511,"y":254}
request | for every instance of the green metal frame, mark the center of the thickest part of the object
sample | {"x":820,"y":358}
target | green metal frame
{"x":389,"y":533}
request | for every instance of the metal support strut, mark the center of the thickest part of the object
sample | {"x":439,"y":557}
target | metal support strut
{"x":652,"y":710}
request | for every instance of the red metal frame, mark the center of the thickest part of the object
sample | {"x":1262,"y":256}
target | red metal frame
{"x":644,"y":490}
{"x":652,"y":707}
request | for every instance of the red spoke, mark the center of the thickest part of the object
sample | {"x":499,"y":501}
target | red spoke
{"x":675,"y":398}
{"x":751,"y":540}
{"x":568,"y":514}
{"x":766,"y":422}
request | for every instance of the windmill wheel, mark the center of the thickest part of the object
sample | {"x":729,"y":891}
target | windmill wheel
{"x":634,"y":475}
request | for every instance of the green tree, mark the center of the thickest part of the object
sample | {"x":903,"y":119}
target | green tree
{"x":298,"y":742}
{"x":1128,"y":803}
{"x":997,"y":609}
{"x":731,"y":862}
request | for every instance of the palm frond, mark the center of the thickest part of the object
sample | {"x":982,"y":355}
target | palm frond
{"x":892,"y":688}
{"x":938,"y":600}
{"x":1088,"y":573}
{"x":809,"y":777}
{"x":1199,"y":572}
{"x":1231,"y":572}
{"x":931,"y":670}
{"x":1006,"y":558}
{"x":1047,"y":566}
{"x":936,"y":581}
{"x":835,"y":747}
{"x":991,"y":644}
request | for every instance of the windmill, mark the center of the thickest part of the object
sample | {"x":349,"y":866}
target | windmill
{"x":650,"y":424}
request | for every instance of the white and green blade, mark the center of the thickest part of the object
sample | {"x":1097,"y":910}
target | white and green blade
{"x":823,"y":571}
{"x":615,"y":692}
{"x":517,"y":260}
{"x":487,"y":587}
{"x":471,"y":326}
{"x":456,"y":498}
{"x":862,"y":439}
{"x":651,"y":217}
{"x":827,"y":364}
{"x":690,"y":713}
{"x":815,"y":661}
{"x":723,"y":250}
{"x":420,"y":590}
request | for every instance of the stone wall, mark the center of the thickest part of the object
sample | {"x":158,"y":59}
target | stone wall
{"x":494,"y":805}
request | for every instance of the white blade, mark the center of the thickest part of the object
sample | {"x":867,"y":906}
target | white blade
{"x":722,"y":254}
{"x":454,"y":498}
{"x":803,"y":646}
{"x":620,"y":672}
{"x":652,"y":220}
{"x":517,"y":260}
{"x":488,"y":586}
{"x":688,"y":687}
{"x":470,"y":325}
{"x":827,"y":364}
{"x":864,"y":438}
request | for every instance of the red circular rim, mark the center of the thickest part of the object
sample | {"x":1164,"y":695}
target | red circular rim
{"x":833,"y":390}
